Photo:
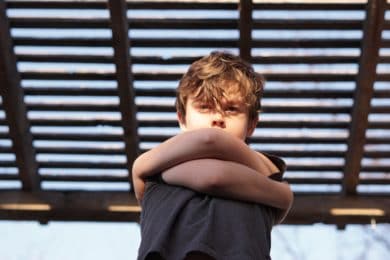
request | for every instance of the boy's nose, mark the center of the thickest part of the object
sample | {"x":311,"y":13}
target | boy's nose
{"x":218,"y":121}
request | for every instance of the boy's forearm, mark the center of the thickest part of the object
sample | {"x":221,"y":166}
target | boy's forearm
{"x":180,"y":148}
{"x":198,"y":144}
{"x":230,"y":180}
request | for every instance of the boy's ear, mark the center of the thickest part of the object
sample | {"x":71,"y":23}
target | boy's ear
{"x":182,"y":121}
{"x":252,"y":126}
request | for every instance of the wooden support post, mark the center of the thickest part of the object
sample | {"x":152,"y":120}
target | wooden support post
{"x":15,"y":108}
{"x":121,"y":45}
{"x":245,"y":27}
{"x":365,"y":79}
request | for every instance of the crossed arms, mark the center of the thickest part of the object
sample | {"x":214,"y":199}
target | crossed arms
{"x":213,"y":162}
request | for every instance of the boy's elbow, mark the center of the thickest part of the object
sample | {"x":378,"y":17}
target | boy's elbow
{"x":143,"y":165}
{"x":289,"y":198}
{"x":208,"y":138}
{"x":134,"y":169}
{"x":213,"y":183}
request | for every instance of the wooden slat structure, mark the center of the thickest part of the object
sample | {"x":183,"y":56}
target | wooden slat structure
{"x":88,"y":85}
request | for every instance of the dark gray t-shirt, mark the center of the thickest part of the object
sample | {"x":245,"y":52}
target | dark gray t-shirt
{"x":177,"y":220}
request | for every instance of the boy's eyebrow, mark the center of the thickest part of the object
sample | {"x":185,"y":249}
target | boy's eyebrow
{"x":238,"y":102}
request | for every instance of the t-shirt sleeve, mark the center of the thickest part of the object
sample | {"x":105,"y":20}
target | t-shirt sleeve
{"x":279,"y":163}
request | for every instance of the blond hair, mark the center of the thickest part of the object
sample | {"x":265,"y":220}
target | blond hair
{"x":214,"y":76}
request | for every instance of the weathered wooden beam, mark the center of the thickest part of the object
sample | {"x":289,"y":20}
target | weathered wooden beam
{"x":15,"y":108}
{"x":372,"y":32}
{"x":245,"y":26}
{"x":121,"y":45}
{"x":68,"y":206}
{"x":122,"y":206}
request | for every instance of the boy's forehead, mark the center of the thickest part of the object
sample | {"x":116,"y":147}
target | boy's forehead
{"x":233,"y":97}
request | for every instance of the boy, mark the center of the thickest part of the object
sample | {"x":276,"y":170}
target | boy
{"x":207,"y":194}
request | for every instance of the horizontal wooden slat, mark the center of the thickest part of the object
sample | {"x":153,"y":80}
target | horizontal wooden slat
{"x":69,"y":58}
{"x":314,"y":168}
{"x":192,"y":43}
{"x":99,"y":23}
{"x":307,"y":24}
{"x":49,"y":4}
{"x":299,"y":153}
{"x":159,"y":138}
{"x":90,"y":137}
{"x":62,"y":41}
{"x":166,"y":92}
{"x":9,"y":177}
{"x":87,"y":165}
{"x":287,"y":140}
{"x":304,"y":77}
{"x":119,"y":151}
{"x":342,"y":6}
{"x":8,"y":164}
{"x":112,"y":165}
{"x":184,"y":23}
{"x":185,"y":5}
{"x":385,"y":44}
{"x":71,"y":177}
{"x":386,"y":25}
{"x":304,"y":59}
{"x":59,"y":23}
{"x":3,"y":135}
{"x":65,"y":58}
{"x":305,"y":153}
{"x":46,"y":75}
{"x":130,"y":5}
{"x":86,"y":178}
{"x":375,"y":181}
{"x":121,"y":206}
{"x":338,"y":168}
{"x":72,"y":91}
{"x":331,"y":181}
{"x":82,"y":150}
{"x":170,"y":92}
{"x":306,"y":43}
{"x":107,"y":59}
{"x":173,"y":123}
{"x":4,"y":149}
{"x":171,"y":108}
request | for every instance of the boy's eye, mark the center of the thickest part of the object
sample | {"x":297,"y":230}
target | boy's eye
{"x":232,"y":109}
{"x":203,"y":106}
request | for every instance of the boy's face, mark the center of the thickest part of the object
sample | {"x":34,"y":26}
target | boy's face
{"x":232,"y":116}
